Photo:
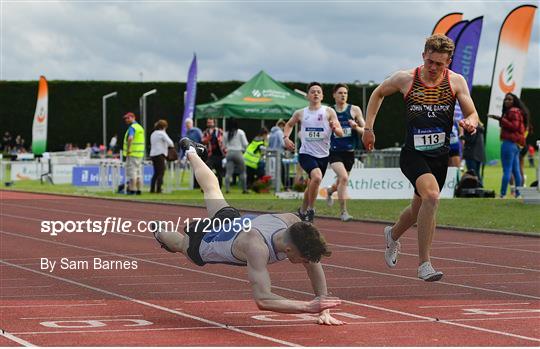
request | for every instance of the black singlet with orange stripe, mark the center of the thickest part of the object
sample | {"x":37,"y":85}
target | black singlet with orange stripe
{"x":430,"y":114}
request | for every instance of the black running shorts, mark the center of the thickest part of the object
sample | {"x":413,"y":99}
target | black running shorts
{"x":346,"y":157}
{"x":413,"y":164}
{"x":196,"y":232}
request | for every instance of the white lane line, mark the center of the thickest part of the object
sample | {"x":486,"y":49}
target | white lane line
{"x":219,"y":301}
{"x":131,"y":276}
{"x":330,"y":244}
{"x":23,"y":286}
{"x":53,"y":305}
{"x":467,"y":244}
{"x":487,"y":274}
{"x":167,"y":283}
{"x":201,"y":291}
{"x":327,"y":279}
{"x":422,"y":295}
{"x":303,"y":292}
{"x":273,"y":325}
{"x":513,"y":282}
{"x":373,"y":286}
{"x":446,"y":259}
{"x":16,"y":339}
{"x":469,"y":305}
{"x":438,"y":282}
{"x":78,"y":317}
{"x":155,"y":306}
{"x":40,"y":295}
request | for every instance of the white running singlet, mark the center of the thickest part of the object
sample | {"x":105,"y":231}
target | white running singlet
{"x":315,"y":133}
{"x":216,"y":247}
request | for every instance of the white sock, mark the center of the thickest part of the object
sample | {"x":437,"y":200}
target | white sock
{"x":191,"y":150}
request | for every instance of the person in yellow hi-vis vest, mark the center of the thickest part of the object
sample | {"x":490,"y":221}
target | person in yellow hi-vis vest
{"x":134,"y":143}
{"x":253,"y":156}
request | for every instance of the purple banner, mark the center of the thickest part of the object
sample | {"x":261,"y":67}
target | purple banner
{"x":456,"y":29}
{"x":191,"y":93}
{"x":466,"y":50}
{"x":466,"y":36}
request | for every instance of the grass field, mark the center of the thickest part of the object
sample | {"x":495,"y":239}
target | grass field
{"x":493,"y":214}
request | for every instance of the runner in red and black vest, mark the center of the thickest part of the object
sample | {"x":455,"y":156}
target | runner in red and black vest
{"x":430,"y":91}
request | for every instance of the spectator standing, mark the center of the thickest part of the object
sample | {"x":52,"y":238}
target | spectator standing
{"x":6,"y":142}
{"x":253,"y":156}
{"x":235,"y":144}
{"x":277,"y":144}
{"x":134,"y":148}
{"x":213,"y":139}
{"x":473,"y":150}
{"x":192,"y":132}
{"x":513,"y":123}
{"x":159,"y":144}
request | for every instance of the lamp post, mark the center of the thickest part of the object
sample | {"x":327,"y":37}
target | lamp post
{"x":144,"y":118}
{"x":104,"y":103}
{"x":358,"y":83}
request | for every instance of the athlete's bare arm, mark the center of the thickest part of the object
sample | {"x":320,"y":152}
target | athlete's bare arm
{"x":358,"y":123}
{"x":334,"y":122}
{"x":257,"y":258}
{"x":289,"y":126}
{"x":318,"y":282}
{"x":399,"y":82}
{"x":470,"y":116}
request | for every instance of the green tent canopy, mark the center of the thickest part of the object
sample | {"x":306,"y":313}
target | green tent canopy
{"x":259,"y":98}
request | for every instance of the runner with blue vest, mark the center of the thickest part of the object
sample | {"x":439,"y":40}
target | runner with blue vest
{"x":226,"y":237}
{"x":342,"y":148}
{"x":317,"y":122}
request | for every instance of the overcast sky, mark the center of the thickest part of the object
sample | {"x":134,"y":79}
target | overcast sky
{"x":328,"y":41}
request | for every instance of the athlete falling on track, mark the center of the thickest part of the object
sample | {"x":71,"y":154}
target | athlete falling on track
{"x":272,"y":238}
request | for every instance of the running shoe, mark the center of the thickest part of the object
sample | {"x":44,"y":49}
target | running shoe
{"x":427,"y":273}
{"x":156,"y":236}
{"x":310,"y":215}
{"x":392,"y":248}
{"x":301,"y":215}
{"x":186,"y":143}
{"x":345,"y":216}
{"x":329,"y":198}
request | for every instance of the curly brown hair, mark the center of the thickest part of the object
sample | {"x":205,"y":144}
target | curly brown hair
{"x":309,"y":241}
{"x":439,"y":43}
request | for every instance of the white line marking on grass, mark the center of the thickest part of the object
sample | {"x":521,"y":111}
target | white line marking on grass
{"x":155,"y":306}
{"x":16,"y":339}
{"x":468,"y":305}
{"x":308,"y":293}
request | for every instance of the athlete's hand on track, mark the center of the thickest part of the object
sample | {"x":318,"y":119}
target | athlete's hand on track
{"x":468,"y":126}
{"x":321,"y":303}
{"x":289,"y":144}
{"x":368,"y":138}
{"x":326,"y":319}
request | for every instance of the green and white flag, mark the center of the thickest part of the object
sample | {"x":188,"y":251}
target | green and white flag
{"x":39,"y":128}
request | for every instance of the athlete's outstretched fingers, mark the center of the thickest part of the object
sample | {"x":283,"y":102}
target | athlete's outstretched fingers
{"x":325,"y":318}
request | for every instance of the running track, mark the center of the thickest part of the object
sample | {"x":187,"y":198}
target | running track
{"x":490,"y":294}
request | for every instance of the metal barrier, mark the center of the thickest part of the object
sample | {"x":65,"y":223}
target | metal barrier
{"x":381,"y":158}
{"x":110,"y":175}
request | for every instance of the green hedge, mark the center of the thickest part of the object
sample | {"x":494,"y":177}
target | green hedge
{"x":75,"y":108}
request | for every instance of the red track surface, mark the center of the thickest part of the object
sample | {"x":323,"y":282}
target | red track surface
{"x":490,"y":294}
